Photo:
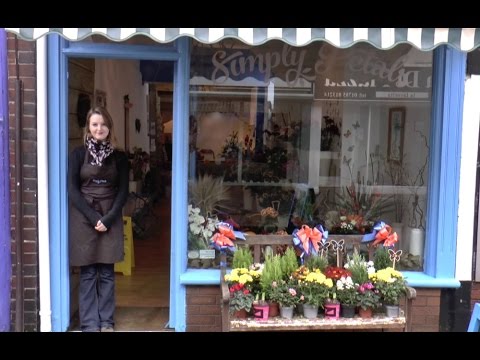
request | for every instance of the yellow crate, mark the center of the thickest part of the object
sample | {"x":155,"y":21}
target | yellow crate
{"x":128,"y":262}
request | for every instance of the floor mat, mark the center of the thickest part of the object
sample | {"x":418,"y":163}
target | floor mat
{"x":128,"y":318}
{"x":141,"y":318}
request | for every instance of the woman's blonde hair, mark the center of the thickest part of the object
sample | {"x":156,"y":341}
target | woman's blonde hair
{"x":108,"y":122}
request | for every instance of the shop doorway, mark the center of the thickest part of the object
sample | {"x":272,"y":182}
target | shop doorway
{"x":142,"y":109}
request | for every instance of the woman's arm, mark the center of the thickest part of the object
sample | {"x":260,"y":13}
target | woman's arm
{"x":122,"y":194}
{"x":74,"y":164}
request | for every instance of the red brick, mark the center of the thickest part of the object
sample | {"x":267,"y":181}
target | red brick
{"x":193,"y":310}
{"x":215,"y":290}
{"x":432,"y":320}
{"x":200,"y":320}
{"x":209,"y":310}
{"x":201,"y":300}
{"x":418,"y":319}
{"x":419,"y":301}
{"x":433,"y":301}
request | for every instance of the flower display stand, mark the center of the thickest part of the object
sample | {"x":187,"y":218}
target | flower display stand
{"x":300,"y":323}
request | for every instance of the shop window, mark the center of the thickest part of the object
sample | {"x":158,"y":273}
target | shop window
{"x":282,"y":136}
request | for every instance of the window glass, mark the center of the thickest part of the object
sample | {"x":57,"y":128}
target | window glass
{"x":282,"y":136}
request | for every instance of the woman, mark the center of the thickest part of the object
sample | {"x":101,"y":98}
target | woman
{"x":98,"y":190}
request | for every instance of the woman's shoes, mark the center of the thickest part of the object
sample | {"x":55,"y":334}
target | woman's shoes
{"x":107,"y":329}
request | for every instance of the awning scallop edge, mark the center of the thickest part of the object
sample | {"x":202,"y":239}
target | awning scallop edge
{"x":464,"y":39}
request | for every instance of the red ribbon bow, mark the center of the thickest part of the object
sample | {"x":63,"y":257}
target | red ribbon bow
{"x":386,"y":236}
{"x":306,"y":234}
{"x":222,"y":238}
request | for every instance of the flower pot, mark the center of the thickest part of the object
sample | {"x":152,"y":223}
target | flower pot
{"x":273,"y":309}
{"x":332,"y":311}
{"x":240,"y":314}
{"x":348,"y":311}
{"x":310,"y":311}
{"x":365,"y":313}
{"x":260,"y":312}
{"x":392,"y":310}
{"x":286,"y":312}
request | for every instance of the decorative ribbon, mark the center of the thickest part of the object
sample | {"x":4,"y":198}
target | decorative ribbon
{"x":381,"y":233}
{"x":308,"y":239}
{"x":222,"y":239}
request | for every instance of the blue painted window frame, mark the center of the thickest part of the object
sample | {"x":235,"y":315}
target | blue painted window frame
{"x":58,"y":50}
{"x":449,"y":69}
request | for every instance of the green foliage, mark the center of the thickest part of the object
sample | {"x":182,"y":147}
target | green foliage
{"x":391,"y":285}
{"x":381,"y":259}
{"x":241,"y":300}
{"x":316,"y":262}
{"x":360,"y":199}
{"x":209,"y":194}
{"x":289,"y":263}
{"x":284,"y":293}
{"x":272,"y":271}
{"x":242,"y":257}
{"x":367,"y":296}
{"x":358,"y":267}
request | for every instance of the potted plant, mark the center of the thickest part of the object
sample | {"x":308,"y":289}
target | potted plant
{"x":285,"y":293}
{"x":347,"y":295}
{"x":391,"y":286}
{"x":240,"y":282}
{"x":314,"y":290}
{"x":368,"y":298}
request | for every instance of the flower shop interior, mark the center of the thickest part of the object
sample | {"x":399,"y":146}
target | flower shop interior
{"x":306,"y":142}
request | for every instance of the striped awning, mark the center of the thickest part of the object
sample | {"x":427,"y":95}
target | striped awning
{"x":465,"y":39}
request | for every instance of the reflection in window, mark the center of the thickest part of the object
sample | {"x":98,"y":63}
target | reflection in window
{"x":282,"y":136}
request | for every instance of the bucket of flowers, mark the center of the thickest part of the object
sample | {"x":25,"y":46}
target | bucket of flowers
{"x":240,"y":282}
{"x":368,"y":298}
{"x":285,"y":293}
{"x":391,"y":286}
{"x":347,"y":295}
{"x":315,"y":289}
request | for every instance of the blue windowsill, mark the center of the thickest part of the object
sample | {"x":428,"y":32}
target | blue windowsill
{"x":418,"y":279}
{"x":414,"y":279}
{"x":200,"y":277}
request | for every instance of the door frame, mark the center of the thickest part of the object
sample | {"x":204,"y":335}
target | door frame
{"x":58,"y":52}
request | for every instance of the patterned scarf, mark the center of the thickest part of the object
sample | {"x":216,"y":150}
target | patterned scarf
{"x":99,"y":151}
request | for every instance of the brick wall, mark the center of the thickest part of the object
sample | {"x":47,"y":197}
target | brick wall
{"x":203,"y":308}
{"x":426,"y":310}
{"x":23,"y":53}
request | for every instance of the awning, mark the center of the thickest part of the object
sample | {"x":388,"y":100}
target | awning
{"x":465,"y":39}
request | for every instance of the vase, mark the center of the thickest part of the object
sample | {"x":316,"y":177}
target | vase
{"x":310,"y":311}
{"x":392,"y":310}
{"x":260,"y":312}
{"x":348,"y":311}
{"x":365,"y":313}
{"x":273,"y":309}
{"x":332,"y":311}
{"x":240,"y":314}
{"x":286,"y":312}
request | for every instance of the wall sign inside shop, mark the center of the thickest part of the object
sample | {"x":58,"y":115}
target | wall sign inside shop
{"x":359,"y":73}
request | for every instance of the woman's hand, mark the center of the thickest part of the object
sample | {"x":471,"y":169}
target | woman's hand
{"x":100,"y":227}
